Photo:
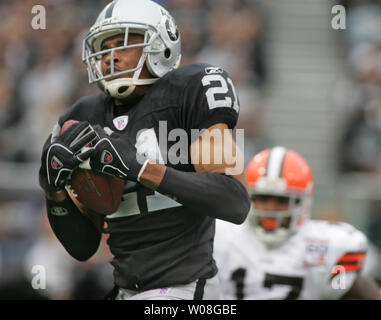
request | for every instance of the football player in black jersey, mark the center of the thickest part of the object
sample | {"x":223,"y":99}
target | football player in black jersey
{"x":162,"y":234}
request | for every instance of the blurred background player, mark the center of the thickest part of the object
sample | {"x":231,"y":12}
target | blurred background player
{"x":279,"y":253}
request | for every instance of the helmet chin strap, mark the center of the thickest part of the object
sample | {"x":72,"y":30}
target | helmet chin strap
{"x":115,"y":87}
{"x":123,"y":87}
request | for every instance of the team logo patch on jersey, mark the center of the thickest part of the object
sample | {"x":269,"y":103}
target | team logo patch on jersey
{"x":316,"y":252}
{"x":56,"y":164}
{"x":163,"y":290}
{"x":106,"y":157}
{"x":121,"y":122}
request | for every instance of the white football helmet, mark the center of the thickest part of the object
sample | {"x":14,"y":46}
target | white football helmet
{"x":161,"y":47}
{"x":281,"y":173}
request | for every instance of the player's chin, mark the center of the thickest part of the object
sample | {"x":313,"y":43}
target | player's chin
{"x":120,"y":76}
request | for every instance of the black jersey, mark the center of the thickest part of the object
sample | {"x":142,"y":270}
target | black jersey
{"x":156,"y":241}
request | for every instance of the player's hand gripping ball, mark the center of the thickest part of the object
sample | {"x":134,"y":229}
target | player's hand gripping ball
{"x":99,"y":192}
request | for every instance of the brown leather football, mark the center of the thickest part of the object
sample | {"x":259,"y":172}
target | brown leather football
{"x":97,"y":191}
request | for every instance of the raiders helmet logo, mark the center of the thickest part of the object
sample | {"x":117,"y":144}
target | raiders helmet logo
{"x":170,"y":25}
{"x":106,"y":157}
{"x":172,"y":30}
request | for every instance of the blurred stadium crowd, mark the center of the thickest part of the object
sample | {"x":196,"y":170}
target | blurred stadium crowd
{"x":359,"y":151}
{"x":361,"y":148}
{"x":42,"y":74}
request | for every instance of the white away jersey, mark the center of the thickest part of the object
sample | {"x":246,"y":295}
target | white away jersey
{"x":321,"y":261}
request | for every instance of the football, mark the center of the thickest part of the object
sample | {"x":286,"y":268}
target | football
{"x":96,"y":191}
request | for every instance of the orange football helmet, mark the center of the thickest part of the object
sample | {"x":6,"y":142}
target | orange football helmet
{"x":286,"y":175}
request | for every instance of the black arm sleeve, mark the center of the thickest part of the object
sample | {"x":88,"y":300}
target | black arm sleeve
{"x":77,"y":233}
{"x":215,"y":195}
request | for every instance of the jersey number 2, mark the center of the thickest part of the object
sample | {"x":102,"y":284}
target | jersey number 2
{"x":222,"y":89}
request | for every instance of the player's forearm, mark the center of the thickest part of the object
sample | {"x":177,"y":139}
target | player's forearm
{"x":216,"y":195}
{"x":152,"y":175}
{"x":55,"y":196}
{"x":77,"y":233}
